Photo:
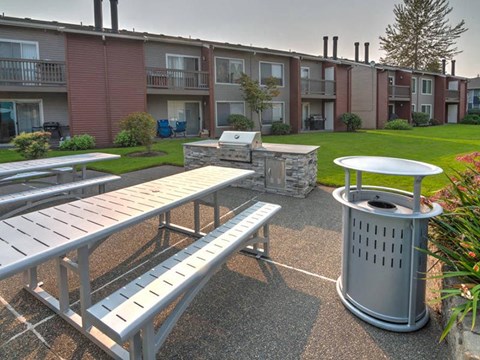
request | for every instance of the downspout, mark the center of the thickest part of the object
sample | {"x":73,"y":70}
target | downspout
{"x":349,"y":88}
{"x":107,"y":92}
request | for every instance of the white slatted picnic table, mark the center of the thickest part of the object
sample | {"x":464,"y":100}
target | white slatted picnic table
{"x":32,"y":166}
{"x":31,"y":239}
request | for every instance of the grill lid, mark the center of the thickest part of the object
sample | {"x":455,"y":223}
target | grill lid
{"x":250,"y":139}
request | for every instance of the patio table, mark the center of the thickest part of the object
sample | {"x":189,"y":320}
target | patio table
{"x":31,"y":239}
{"x":30,"y":166}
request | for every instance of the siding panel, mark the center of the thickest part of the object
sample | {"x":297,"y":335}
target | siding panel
{"x":86,"y":87}
{"x":126,"y":80}
{"x":51,"y":44}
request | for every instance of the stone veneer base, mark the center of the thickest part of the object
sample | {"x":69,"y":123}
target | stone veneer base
{"x":300,"y":166}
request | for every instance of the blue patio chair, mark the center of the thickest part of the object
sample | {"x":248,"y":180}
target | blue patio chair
{"x":163,"y":128}
{"x":180,"y":127}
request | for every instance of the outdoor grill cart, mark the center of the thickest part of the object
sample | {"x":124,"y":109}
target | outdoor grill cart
{"x":383,"y":273}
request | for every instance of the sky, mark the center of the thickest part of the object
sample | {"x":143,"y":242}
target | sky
{"x":297,"y":25}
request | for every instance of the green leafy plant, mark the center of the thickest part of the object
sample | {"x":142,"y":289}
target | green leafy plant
{"x":279,"y":128}
{"x":456,"y":235}
{"x":142,"y":126}
{"x":399,"y":124}
{"x":471,"y":119}
{"x":125,"y":138}
{"x":78,"y":142}
{"x":353,"y":121}
{"x":420,"y":119}
{"x":32,"y":145}
{"x":474,"y":112}
{"x":258,"y":97}
{"x":240,"y":122}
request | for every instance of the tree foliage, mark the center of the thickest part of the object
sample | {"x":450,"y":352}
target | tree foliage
{"x":421,"y":36}
{"x":258,"y":97}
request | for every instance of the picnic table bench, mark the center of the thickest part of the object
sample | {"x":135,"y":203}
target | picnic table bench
{"x":31,"y":239}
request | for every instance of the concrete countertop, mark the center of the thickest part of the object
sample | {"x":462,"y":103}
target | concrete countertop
{"x":281,"y":148}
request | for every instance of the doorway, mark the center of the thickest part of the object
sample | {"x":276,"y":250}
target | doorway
{"x":452,"y":113}
{"x":189,"y":111}
{"x":305,"y":115}
{"x":329,"y":115}
{"x":17,"y":116}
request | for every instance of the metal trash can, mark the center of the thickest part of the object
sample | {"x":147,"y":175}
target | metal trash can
{"x":382,"y":280}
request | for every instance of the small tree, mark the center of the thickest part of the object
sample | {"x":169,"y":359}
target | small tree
{"x":32,"y":145}
{"x":353,"y":121}
{"x":259,"y":97}
{"x":142,"y":127}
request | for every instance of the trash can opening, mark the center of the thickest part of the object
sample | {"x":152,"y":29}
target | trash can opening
{"x":382,"y":204}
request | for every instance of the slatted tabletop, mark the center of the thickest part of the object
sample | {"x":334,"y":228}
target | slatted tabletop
{"x":12,"y":168}
{"x":31,"y":239}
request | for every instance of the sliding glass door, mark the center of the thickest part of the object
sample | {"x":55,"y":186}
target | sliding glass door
{"x":17,"y":116}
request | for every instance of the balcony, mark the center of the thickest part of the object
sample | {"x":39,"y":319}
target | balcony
{"x":399,"y":92}
{"x":173,"y":81}
{"x":23,"y":74}
{"x":452,"y":95}
{"x":318,"y":89}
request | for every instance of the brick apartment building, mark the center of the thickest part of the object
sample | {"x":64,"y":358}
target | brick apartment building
{"x":88,"y":78}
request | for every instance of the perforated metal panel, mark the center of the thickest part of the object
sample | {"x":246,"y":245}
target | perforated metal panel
{"x":379,"y":258}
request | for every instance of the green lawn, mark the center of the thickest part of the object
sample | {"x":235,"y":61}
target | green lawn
{"x":437,"y":145}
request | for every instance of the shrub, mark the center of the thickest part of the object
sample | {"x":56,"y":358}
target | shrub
{"x":399,"y":124}
{"x":474,"y":112}
{"x":78,"y":142}
{"x":456,"y":235}
{"x":353,"y":121}
{"x":32,"y":145}
{"x":471,"y":119}
{"x":279,"y":128}
{"x":125,"y":138}
{"x":142,"y":126}
{"x":435,"y":122}
{"x":420,"y":119}
{"x":240,"y":122}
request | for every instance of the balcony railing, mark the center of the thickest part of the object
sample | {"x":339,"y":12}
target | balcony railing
{"x":32,"y":72}
{"x":399,"y":91}
{"x":318,"y":87}
{"x":177,"y":79}
{"x":452,"y":95}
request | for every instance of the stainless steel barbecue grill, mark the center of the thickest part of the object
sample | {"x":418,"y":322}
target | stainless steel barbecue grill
{"x":238,"y":145}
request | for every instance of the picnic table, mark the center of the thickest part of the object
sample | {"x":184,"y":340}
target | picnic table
{"x":12,"y":169}
{"x":33,"y":172}
{"x":31,"y":239}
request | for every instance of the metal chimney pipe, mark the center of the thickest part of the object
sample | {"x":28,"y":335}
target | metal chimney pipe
{"x":325,"y":47}
{"x":357,"y":44}
{"x":453,"y":67}
{"x":97,"y":9}
{"x":444,"y":65}
{"x":335,"y":43}
{"x":114,"y":14}
{"x":366,"y":53}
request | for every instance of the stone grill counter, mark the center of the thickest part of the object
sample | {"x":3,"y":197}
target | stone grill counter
{"x":283,"y":169}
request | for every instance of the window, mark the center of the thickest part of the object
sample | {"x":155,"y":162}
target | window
{"x":181,"y":62}
{"x":18,"y":116}
{"x":414,"y":85}
{"x":225,"y":109}
{"x":414,"y":107}
{"x":268,"y":70}
{"x":426,"y":87}
{"x":391,"y":80}
{"x":427,"y":109}
{"x":305,"y":73}
{"x":13,"y":49}
{"x":228,"y":71}
{"x":275,"y":113}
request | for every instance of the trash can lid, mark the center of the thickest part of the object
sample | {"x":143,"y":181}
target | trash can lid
{"x":388,"y":165}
